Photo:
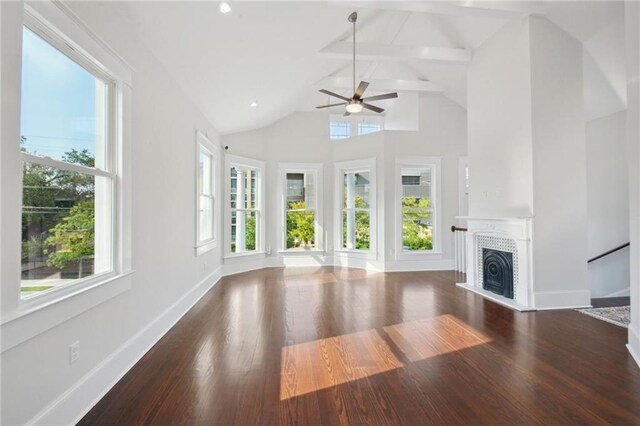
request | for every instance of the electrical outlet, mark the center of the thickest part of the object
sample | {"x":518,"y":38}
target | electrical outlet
{"x":74,"y":352}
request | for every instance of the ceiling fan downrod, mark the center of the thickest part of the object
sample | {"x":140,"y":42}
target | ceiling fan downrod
{"x":353,"y":18}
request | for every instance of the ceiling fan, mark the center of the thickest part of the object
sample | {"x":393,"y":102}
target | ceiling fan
{"x":357,"y":102}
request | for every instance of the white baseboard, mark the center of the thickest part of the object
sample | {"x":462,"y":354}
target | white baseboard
{"x":72,"y":405}
{"x":621,"y":293}
{"x":634,"y":344}
{"x":543,"y":300}
{"x":419,"y":265}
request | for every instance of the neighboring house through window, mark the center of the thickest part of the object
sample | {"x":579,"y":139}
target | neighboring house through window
{"x":245,"y":220}
{"x":417,"y":202}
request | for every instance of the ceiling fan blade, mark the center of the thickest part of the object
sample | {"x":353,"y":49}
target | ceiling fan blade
{"x":372,"y":107}
{"x":381,"y":97}
{"x":335,"y":95}
{"x":331,"y":105}
{"x":360,"y":90}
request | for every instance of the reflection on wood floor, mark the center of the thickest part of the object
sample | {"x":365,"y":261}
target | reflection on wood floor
{"x":343,"y":346}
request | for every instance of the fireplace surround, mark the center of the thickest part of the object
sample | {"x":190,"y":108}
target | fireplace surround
{"x":509,"y":242}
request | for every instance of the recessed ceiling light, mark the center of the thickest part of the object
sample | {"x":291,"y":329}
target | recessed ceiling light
{"x":254,"y":104}
{"x":224,"y":7}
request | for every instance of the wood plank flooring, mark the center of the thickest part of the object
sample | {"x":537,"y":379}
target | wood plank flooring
{"x":343,"y":346}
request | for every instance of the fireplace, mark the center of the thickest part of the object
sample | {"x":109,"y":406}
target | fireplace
{"x":499,"y":260}
{"x":497,"y":272}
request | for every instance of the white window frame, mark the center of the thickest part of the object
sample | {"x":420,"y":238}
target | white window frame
{"x":59,"y":26}
{"x":434,"y":163}
{"x":245,"y":164}
{"x":315,"y":169}
{"x":354,"y":166}
{"x":203,"y":143}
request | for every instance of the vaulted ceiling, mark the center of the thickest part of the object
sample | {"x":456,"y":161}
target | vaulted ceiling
{"x":280,"y":53}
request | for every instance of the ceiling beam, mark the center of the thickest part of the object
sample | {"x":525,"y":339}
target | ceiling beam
{"x":488,"y":9}
{"x":386,"y":52}
{"x":383,"y":85}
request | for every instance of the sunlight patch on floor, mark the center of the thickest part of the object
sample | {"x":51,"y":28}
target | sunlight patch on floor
{"x":431,"y":337}
{"x":320,"y":364}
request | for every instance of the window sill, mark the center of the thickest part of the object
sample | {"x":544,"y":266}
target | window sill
{"x":205,"y":247}
{"x":39,"y":314}
{"x":301,"y":252}
{"x":361,"y":254}
{"x":418,"y":255}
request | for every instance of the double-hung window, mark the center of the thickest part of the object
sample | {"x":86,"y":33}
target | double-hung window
{"x":301,"y":188}
{"x":356,"y":183}
{"x":245,"y":220}
{"x":417,"y":204}
{"x":206,"y":166}
{"x":67,"y":142}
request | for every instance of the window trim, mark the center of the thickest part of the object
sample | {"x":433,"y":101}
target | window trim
{"x":203,"y":142}
{"x":51,"y":35}
{"x":251,"y":164}
{"x":435,"y":164}
{"x":340,"y":168}
{"x":23,"y":319}
{"x":317,"y":169}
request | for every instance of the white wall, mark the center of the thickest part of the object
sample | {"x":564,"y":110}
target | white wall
{"x":304,"y":137}
{"x":37,"y":372}
{"x":499,"y":116}
{"x":559,"y":167}
{"x":632,"y":25}
{"x":525,"y":109}
{"x":608,"y":205}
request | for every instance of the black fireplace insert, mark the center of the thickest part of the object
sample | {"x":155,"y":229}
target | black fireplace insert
{"x":497,"y":272}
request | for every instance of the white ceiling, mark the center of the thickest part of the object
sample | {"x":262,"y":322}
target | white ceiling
{"x":270,"y":51}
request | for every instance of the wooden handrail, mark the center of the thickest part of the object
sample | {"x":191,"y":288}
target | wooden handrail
{"x":609,"y":252}
{"x":455,"y":228}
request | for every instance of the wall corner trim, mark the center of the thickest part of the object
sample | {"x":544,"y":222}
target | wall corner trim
{"x":634,"y":344}
{"x":73,"y":404}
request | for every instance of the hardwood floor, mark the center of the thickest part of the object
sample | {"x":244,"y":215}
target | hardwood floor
{"x":343,"y":346}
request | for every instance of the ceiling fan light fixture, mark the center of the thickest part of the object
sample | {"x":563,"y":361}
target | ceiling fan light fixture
{"x":224,"y":7}
{"x":354,"y":108}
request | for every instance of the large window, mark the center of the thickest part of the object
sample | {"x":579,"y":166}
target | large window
{"x":301,"y":190}
{"x":245,"y":224}
{"x":206,"y":163}
{"x":417,"y":204}
{"x":356,"y":181}
{"x":68,"y":165}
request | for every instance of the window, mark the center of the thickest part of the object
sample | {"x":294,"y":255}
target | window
{"x":341,"y":127}
{"x":245,"y":224}
{"x":356,"y":183}
{"x":67,"y":141}
{"x":301,"y":190}
{"x":339,"y":130}
{"x":206,"y":163}
{"x":417,"y":204}
{"x":366,"y":127}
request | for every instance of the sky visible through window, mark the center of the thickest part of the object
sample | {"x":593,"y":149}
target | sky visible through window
{"x":58,"y":111}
